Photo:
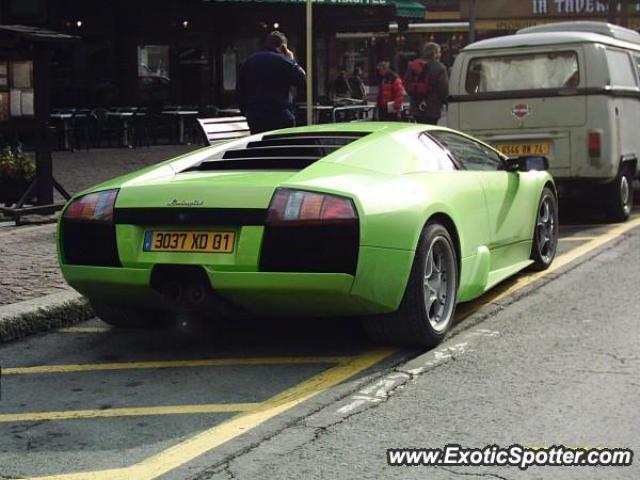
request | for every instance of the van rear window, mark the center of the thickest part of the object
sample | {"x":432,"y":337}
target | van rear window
{"x":523,"y":72}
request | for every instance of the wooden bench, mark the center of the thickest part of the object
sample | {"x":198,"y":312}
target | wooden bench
{"x":224,"y":128}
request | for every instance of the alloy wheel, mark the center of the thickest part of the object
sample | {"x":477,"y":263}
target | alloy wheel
{"x":439,"y":283}
{"x":547,"y":229}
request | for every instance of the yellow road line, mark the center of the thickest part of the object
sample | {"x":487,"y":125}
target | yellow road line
{"x":195,"y":446}
{"x":509,"y":287}
{"x":128,"y":412}
{"x":212,"y":362}
{"x":577,"y":239}
{"x":85,"y":330}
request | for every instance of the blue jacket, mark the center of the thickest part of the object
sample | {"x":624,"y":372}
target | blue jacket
{"x":264,"y":85}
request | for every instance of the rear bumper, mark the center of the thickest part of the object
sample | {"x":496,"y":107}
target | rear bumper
{"x":377,"y":288}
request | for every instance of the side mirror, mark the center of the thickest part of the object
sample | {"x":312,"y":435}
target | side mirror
{"x":526,"y":163}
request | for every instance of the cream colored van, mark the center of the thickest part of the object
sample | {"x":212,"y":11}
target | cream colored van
{"x":568,"y":91}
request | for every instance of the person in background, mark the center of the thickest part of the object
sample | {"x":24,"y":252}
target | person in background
{"x":340,"y":87}
{"x":356,"y":84}
{"x":427,"y":84}
{"x":390,"y":95}
{"x":264,"y":86}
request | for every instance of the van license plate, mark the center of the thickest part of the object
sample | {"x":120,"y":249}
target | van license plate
{"x":193,"y":242}
{"x":521,"y":149}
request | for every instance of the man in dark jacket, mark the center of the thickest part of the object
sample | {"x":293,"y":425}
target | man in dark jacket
{"x":427,"y":84}
{"x":356,"y":84}
{"x":264,"y":86}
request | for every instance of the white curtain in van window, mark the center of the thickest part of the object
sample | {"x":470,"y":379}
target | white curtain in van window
{"x":523,"y":72}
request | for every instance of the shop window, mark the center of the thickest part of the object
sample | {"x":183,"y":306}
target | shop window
{"x":229,"y":69}
{"x":153,"y":61}
{"x":154,"y":73}
{"x":16,"y":89}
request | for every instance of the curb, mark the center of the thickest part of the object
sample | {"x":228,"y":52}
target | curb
{"x":57,"y":310}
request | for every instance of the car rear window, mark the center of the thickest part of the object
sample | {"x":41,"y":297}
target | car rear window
{"x":523,"y":72}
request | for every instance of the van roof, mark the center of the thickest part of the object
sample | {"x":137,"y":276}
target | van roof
{"x":607,"y":29}
{"x":564,"y":33}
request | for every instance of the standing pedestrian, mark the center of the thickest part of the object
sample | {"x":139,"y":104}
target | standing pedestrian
{"x":358,"y":90}
{"x":390,"y":94}
{"x":264,"y":86}
{"x":427,"y":84}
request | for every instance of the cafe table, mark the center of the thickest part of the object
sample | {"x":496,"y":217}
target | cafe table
{"x":126,"y":117}
{"x":318,"y":111}
{"x":180,"y":116}
{"x":64,"y":119}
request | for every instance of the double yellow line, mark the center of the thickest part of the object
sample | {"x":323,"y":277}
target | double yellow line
{"x":195,"y":446}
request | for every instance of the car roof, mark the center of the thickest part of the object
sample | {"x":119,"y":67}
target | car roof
{"x":370,"y":127}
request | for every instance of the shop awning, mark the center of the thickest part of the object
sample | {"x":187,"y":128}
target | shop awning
{"x":409,"y":9}
{"x":403,"y":8}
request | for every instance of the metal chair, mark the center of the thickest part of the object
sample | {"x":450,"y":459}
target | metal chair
{"x":79,"y":132}
{"x":140,"y":128}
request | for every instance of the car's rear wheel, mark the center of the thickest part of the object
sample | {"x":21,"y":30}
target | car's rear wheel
{"x":428,"y":306}
{"x":545,"y":232}
{"x":127,"y":317}
{"x":619,"y":195}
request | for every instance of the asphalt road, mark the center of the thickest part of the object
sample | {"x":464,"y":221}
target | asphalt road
{"x":276,"y":400}
{"x":560,"y":367}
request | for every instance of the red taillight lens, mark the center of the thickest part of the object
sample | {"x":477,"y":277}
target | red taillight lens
{"x":309,"y":207}
{"x":595,"y":144}
{"x":97,"y":207}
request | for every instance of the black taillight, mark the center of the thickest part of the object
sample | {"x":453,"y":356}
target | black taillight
{"x":310,"y":232}
{"x":89,"y":243}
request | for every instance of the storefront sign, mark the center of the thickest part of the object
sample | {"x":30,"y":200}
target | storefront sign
{"x":520,"y":9}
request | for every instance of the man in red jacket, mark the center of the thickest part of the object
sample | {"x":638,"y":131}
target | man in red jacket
{"x":390,"y":95}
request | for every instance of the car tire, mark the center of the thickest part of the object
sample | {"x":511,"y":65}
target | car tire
{"x":619,"y":195}
{"x":126,"y":317}
{"x":545,"y":231}
{"x":429,"y":302}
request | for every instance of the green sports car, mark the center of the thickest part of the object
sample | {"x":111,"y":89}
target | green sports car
{"x":389,"y":221}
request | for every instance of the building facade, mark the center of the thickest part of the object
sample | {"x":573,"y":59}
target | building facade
{"x":188,"y":52}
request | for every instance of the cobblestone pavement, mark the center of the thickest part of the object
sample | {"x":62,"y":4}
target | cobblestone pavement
{"x":78,"y":170}
{"x":28,"y":262}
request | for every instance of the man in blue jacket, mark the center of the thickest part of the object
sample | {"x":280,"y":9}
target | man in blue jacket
{"x":264,"y":86}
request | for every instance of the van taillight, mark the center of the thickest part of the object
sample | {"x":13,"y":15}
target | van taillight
{"x":595,"y":144}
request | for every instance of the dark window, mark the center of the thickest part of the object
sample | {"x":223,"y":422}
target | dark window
{"x":27,"y":8}
{"x":471,"y":155}
{"x":532,"y":71}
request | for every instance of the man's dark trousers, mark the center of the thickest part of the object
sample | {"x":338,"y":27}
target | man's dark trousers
{"x":428,"y":119}
{"x":259,"y":125}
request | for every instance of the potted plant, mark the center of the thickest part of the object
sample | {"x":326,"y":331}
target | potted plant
{"x":16,"y":171}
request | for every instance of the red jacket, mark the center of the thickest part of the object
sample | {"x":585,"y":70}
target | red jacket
{"x":391,"y":90}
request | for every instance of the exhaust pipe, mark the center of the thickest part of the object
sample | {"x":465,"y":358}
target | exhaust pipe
{"x":186,"y":289}
{"x":196,"y":294}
